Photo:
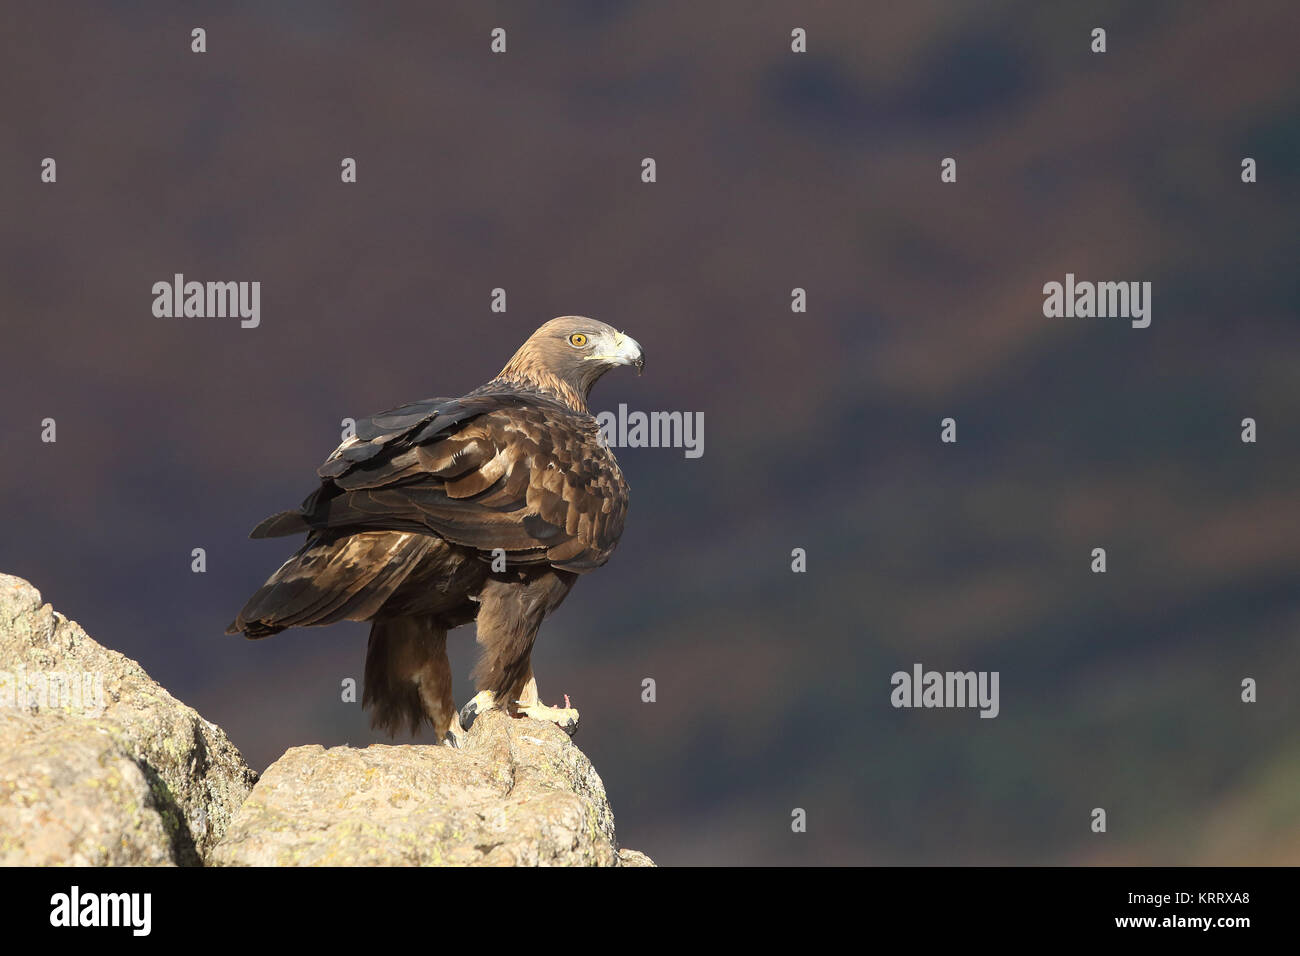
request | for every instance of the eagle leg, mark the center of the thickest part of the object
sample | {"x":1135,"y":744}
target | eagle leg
{"x":530,"y":705}
{"x":511,"y":608}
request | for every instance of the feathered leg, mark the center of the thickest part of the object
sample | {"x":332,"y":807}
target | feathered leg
{"x":511,"y":609}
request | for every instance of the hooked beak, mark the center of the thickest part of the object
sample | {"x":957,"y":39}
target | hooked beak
{"x":626,"y":351}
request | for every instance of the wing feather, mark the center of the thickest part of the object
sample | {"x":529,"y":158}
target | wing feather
{"x":503,"y":469}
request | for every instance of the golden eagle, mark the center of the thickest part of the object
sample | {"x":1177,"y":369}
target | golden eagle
{"x":483,"y":508}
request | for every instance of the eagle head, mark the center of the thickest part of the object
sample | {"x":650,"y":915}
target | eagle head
{"x":568,"y":355}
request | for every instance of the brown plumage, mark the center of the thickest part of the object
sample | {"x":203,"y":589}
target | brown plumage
{"x":446,"y":511}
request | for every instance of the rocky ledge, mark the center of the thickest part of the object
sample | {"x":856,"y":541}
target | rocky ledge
{"x":100,"y":766}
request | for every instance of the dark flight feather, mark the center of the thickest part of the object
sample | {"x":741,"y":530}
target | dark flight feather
{"x":503,"y":470}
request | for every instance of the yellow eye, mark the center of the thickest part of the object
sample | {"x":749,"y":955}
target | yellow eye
{"x":577,"y":340}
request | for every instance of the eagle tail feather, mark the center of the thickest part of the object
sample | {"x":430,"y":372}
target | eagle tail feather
{"x":281,"y":524}
{"x":408,"y":678}
{"x":332,"y":579}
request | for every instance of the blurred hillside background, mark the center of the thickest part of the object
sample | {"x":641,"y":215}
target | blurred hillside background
{"x":775,"y":170}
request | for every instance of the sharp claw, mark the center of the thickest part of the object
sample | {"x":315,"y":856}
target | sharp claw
{"x":481,"y":702}
{"x":566,"y":717}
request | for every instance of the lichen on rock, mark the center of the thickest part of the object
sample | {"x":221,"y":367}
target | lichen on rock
{"x":73,"y":715}
{"x":518,"y":793}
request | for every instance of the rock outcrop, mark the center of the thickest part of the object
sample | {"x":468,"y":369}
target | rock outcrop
{"x":100,"y":766}
{"x":518,"y":793}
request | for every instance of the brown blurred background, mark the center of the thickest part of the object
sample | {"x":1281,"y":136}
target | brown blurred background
{"x":775,"y":170}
